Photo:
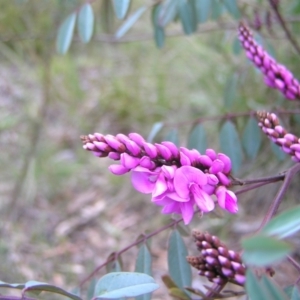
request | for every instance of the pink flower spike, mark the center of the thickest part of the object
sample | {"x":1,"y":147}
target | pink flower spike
{"x":133,"y":147}
{"x":102,"y":146}
{"x":114,"y":143}
{"x":223,"y":179}
{"x":184,"y":160}
{"x":164,"y":151}
{"x":128,"y":161}
{"x":227,"y":199}
{"x":118,"y":169}
{"x":205,"y":160}
{"x":147,"y":163}
{"x":150,"y":149}
{"x":137,"y":138}
{"x":172,"y":147}
{"x":99,"y":137}
{"x":193,"y":154}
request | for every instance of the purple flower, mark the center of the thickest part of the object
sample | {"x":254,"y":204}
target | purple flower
{"x":227,"y":199}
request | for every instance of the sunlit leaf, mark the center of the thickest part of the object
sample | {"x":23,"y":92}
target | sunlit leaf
{"x":197,"y":139}
{"x":172,"y":136}
{"x":230,"y":92}
{"x":159,"y":33}
{"x":85,"y":22}
{"x":154,"y":131}
{"x":285,"y":224}
{"x":231,"y":145}
{"x":143,"y":265}
{"x":203,"y":9}
{"x":130,"y":21}
{"x":168,"y":12}
{"x":41,"y":286}
{"x":255,"y":289}
{"x":179,"y":269}
{"x":124,"y":284}
{"x":262,"y":250}
{"x":251,"y":138}
{"x":121,"y":8}
{"x":65,"y":34}
{"x":187,"y":16}
{"x":232,"y":7}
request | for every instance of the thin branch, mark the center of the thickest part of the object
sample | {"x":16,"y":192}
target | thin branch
{"x":282,"y":22}
{"x":258,"y":180}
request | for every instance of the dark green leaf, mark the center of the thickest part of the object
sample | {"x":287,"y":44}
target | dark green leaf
{"x":230,"y":93}
{"x":159,"y":33}
{"x":187,"y":17}
{"x":230,"y":145}
{"x":278,"y":152}
{"x":45,"y":287}
{"x":172,"y":136}
{"x":65,"y":34}
{"x":251,"y":138}
{"x":179,"y":269}
{"x":121,"y":8}
{"x":255,"y":289}
{"x":130,"y":21}
{"x":197,"y":139}
{"x":168,"y":12}
{"x":236,"y":46}
{"x":154,"y":131}
{"x":262,"y":250}
{"x":203,"y":9}
{"x":216,"y":9}
{"x":85,"y":22}
{"x":143,"y":265}
{"x":124,"y":284}
{"x":275,"y":293}
{"x":232,"y":7}
{"x":295,"y":293}
{"x":285,"y":224}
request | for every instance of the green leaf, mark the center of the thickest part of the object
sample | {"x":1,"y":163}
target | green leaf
{"x":45,"y":287}
{"x":65,"y":34}
{"x":230,"y":92}
{"x":197,"y":139}
{"x":154,"y":131}
{"x":275,"y":293}
{"x":255,"y":289}
{"x":295,"y":293}
{"x":131,"y":20}
{"x":262,"y":250}
{"x":203,"y":8}
{"x":159,"y":33}
{"x":285,"y":224}
{"x":251,"y":138}
{"x":124,"y":284}
{"x":279,"y":153}
{"x":91,"y":288}
{"x":216,"y":9}
{"x":230,"y":145}
{"x":187,"y":17}
{"x":179,"y":269}
{"x":172,"y":136}
{"x":232,"y":8}
{"x":19,"y":286}
{"x":143,"y":265}
{"x":236,"y":46}
{"x":85,"y":22}
{"x":121,"y":7}
{"x":168,"y":12}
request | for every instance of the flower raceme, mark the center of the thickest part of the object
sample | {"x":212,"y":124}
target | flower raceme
{"x":275,"y":75}
{"x":178,"y":179}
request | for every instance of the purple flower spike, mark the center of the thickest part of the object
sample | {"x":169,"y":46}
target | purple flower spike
{"x":137,"y":138}
{"x":164,"y":151}
{"x":150,"y":150}
{"x":114,"y":143}
{"x":216,"y":167}
{"x":275,"y":75}
{"x":172,"y":147}
{"x":227,"y":162}
{"x":114,"y":155}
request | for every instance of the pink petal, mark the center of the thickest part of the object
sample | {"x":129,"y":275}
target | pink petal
{"x":118,"y":169}
{"x":187,"y":211}
{"x":204,"y":201}
{"x":143,"y":182}
{"x":217,"y":166}
{"x":171,"y":208}
{"x":128,"y":161}
{"x":160,"y":186}
{"x":227,"y":199}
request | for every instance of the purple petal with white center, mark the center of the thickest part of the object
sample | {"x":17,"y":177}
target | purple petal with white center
{"x":169,"y":171}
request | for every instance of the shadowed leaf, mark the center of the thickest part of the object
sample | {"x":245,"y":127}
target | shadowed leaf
{"x":86,"y":23}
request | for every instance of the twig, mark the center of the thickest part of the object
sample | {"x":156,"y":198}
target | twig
{"x":275,"y":178}
{"x":274,"y":5}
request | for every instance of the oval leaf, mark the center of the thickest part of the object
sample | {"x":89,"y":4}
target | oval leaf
{"x":230,"y":92}
{"x":121,"y":8}
{"x":65,"y":34}
{"x":216,"y":9}
{"x":154,"y":131}
{"x":85,"y":22}
{"x":274,"y":291}
{"x":232,"y":8}
{"x":203,"y":9}
{"x":172,"y":136}
{"x":230,"y":145}
{"x":34,"y":286}
{"x":130,"y":22}
{"x":143,"y":265}
{"x":255,"y":289}
{"x":124,"y":284}
{"x":159,"y":33}
{"x":197,"y":139}
{"x":262,"y":250}
{"x":251,"y":138}
{"x":285,"y":224}
{"x":179,"y":268}
{"x":168,"y":12}
{"x":187,"y":17}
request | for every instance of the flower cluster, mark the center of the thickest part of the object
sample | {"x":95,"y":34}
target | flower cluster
{"x":288,"y":142}
{"x":178,"y":179}
{"x":216,"y":262}
{"x":275,"y":75}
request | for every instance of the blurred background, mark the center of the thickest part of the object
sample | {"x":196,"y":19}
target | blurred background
{"x":61,"y":211}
